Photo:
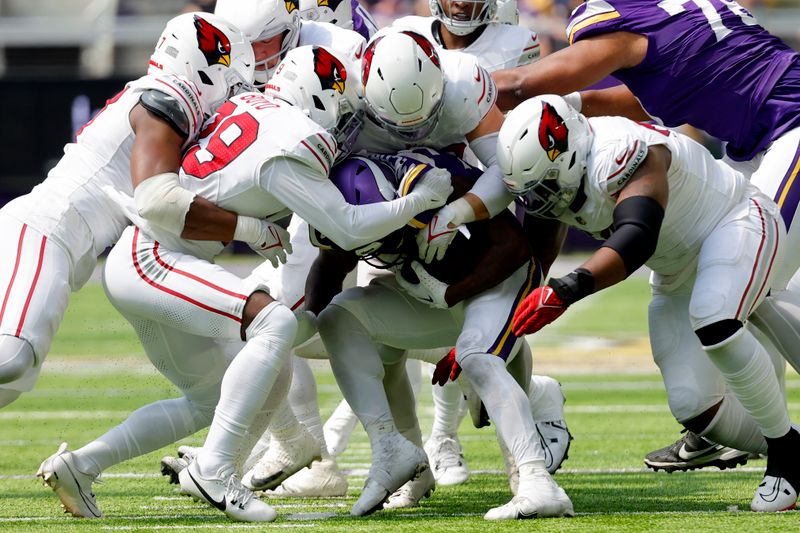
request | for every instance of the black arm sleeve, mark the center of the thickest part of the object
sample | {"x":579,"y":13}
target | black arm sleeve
{"x":167,"y":109}
{"x":637,"y":223}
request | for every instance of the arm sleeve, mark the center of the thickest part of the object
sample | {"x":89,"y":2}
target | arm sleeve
{"x":490,"y":187}
{"x":309,"y":194}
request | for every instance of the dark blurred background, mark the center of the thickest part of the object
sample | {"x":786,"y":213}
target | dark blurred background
{"x":61,"y":59}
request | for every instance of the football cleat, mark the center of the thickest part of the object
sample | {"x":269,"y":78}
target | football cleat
{"x":778,"y":490}
{"x":691,"y":452}
{"x":322,"y":479}
{"x":171,"y":466}
{"x":410,"y":494}
{"x":447,"y":460}
{"x":774,"y":494}
{"x":395,"y":461}
{"x":555,"y":439}
{"x":226,"y":493}
{"x":73,"y":487}
{"x":338,"y":428}
{"x":541,"y":498}
{"x":283,"y":459}
{"x":188,"y":453}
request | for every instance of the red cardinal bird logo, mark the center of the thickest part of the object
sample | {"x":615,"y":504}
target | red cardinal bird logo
{"x":426,"y":46}
{"x":366,"y":62}
{"x":214,"y":44}
{"x":553,"y":133}
{"x":329,"y":70}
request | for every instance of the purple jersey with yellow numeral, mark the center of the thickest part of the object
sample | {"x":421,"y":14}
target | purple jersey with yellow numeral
{"x":708,"y":64}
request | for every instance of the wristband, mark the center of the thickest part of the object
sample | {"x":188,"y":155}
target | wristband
{"x":574,"y":286}
{"x":248,"y":229}
{"x":462,"y":212}
{"x":575,"y":100}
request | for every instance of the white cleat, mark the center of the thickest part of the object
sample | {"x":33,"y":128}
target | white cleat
{"x":338,"y":428}
{"x":555,"y":439}
{"x":322,"y":479}
{"x":410,"y":494}
{"x":774,"y":494}
{"x":395,"y":460}
{"x":542,"y":498}
{"x":188,"y":453}
{"x":283,"y":459}
{"x":227,"y":494}
{"x":447,"y":460}
{"x":73,"y":487}
{"x":171,"y":466}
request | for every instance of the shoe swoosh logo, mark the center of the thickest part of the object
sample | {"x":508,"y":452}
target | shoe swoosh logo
{"x":621,"y":158}
{"x":218,"y":504}
{"x":685,"y":454}
{"x":523,"y":516}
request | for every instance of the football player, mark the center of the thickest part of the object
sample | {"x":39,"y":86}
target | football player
{"x":343,"y":13}
{"x":52,"y":236}
{"x":367,"y":329}
{"x":264,"y":156}
{"x":656,"y":197}
{"x":690,"y":62}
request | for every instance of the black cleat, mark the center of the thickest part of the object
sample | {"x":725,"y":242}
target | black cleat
{"x":692,"y":452}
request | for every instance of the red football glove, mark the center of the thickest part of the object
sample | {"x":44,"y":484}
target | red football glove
{"x":540,"y":308}
{"x":446,"y":368}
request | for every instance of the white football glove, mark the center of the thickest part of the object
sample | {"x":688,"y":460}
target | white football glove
{"x":429,"y":289}
{"x":434,"y":239}
{"x":272,"y":242}
{"x":434,"y":187}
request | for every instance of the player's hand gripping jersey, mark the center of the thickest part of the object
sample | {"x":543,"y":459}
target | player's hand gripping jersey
{"x":685,"y":40}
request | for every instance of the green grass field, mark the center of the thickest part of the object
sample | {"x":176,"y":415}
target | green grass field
{"x":616,"y":410}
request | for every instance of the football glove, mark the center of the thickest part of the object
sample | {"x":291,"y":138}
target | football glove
{"x":540,"y":308}
{"x":272,"y":243}
{"x":446,"y":369}
{"x":434,"y":239}
{"x":433,"y":187}
{"x":428,"y":289}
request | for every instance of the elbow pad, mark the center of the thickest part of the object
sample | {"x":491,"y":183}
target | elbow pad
{"x":167,"y":109}
{"x":162,"y":201}
{"x":637,"y":223}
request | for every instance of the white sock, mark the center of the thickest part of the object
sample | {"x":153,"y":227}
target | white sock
{"x":147,"y":429}
{"x":508,"y":406}
{"x":751,"y":377}
{"x":543,"y":408}
{"x":303,"y":401}
{"x":401,"y":400}
{"x":733,"y":426}
{"x":338,"y":428}
{"x":246,"y":385}
{"x":447,"y":403}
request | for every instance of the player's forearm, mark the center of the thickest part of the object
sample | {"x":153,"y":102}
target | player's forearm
{"x":489,"y":195}
{"x":208,"y":222}
{"x":324,"y":281}
{"x":616,"y":101}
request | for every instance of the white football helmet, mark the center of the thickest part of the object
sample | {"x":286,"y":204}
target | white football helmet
{"x":210,"y":52}
{"x":327,"y":89}
{"x":261,"y":20}
{"x":339,"y":12}
{"x":542,"y":150}
{"x":403,"y":83}
{"x":473,"y":14}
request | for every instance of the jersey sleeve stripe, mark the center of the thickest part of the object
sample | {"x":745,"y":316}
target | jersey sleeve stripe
{"x":326,"y":143}
{"x":602,"y":17}
{"x":188,"y":106}
{"x":628,"y":156}
{"x":787,"y":192}
{"x":325,"y":168}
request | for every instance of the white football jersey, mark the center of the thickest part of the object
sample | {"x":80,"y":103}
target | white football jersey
{"x":702,"y":190}
{"x":469,"y":94}
{"x":346,"y":42}
{"x":499,"y":46}
{"x":224,"y":166}
{"x":100,"y":158}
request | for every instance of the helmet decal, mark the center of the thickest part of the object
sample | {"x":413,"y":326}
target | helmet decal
{"x":333,"y":4}
{"x":214,"y":44}
{"x":553,"y":133}
{"x":366,"y":62}
{"x":291,"y":5}
{"x":426,"y":46}
{"x":329,"y":70}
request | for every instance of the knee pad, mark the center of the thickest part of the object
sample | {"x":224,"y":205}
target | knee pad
{"x":274,"y":320}
{"x":717,"y":332}
{"x":16,"y":358}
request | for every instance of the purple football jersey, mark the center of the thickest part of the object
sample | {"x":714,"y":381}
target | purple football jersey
{"x":708,"y":64}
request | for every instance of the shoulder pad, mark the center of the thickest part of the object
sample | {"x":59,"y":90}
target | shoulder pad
{"x":616,"y":162}
{"x":531,"y":50}
{"x":589,"y":18}
{"x":472,"y":92}
{"x":168,"y":109}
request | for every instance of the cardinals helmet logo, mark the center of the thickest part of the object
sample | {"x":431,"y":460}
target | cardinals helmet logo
{"x":291,"y":5}
{"x":366,"y":62}
{"x":214,"y":44}
{"x":553,"y":133}
{"x":329,"y":70}
{"x":426,"y":46}
{"x":332,"y":4}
